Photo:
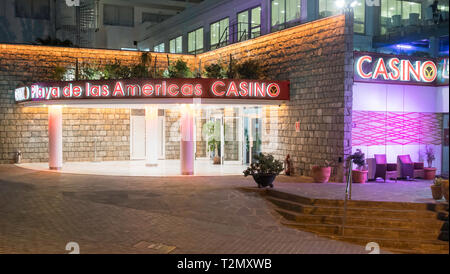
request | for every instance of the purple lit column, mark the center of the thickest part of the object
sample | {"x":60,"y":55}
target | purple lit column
{"x":187,"y":140}
{"x":55,"y":155}
{"x":151,"y":133}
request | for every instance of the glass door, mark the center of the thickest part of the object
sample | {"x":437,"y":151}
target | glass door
{"x":232,"y":136}
{"x":252,"y":134}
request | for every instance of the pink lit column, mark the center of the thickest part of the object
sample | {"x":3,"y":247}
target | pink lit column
{"x":55,"y":154}
{"x":187,"y":140}
{"x":151,"y":133}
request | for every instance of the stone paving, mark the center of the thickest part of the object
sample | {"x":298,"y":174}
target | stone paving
{"x":40,"y":212}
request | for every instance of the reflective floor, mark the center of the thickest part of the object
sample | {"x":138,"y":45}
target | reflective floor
{"x":138,"y":168}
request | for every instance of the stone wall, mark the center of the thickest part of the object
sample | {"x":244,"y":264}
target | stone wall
{"x":173,"y":136}
{"x":317,"y":59}
{"x":25,"y":128}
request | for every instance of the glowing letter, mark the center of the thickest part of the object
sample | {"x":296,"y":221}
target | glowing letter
{"x":380,"y":69}
{"x":118,"y":88}
{"x":214,"y":88}
{"x":232,"y":89}
{"x":393,"y":66}
{"x":359,"y":67}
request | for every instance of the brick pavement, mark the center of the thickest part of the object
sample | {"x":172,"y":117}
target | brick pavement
{"x":41,"y":211}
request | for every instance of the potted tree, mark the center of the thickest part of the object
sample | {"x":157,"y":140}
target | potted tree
{"x":430,"y":171}
{"x":359,"y":175}
{"x":430,"y":155}
{"x":264,"y":170}
{"x":321,"y":173}
{"x":436,"y":189}
{"x":212,"y":129}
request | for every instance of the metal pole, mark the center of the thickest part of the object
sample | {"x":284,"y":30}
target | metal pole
{"x":348,"y":193}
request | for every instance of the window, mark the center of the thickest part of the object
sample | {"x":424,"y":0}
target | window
{"x":243,"y":21}
{"x":33,"y":9}
{"x":154,"y":17}
{"x":118,"y":15}
{"x":329,"y":8}
{"x":255,"y":22}
{"x":219,"y":33}
{"x":176,"y":45}
{"x":359,"y":13}
{"x":195,"y":41}
{"x":395,"y":14}
{"x":159,"y":48}
{"x":249,"y":24}
{"x":284,"y":11}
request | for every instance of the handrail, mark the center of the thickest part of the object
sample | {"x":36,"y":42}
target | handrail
{"x":231,"y":34}
{"x":348,"y":192}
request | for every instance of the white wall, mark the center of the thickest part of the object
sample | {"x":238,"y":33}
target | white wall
{"x":401,"y":98}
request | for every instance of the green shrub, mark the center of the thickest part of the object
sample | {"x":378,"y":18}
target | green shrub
{"x":59,"y":73}
{"x":250,"y":69}
{"x":90,"y":72}
{"x":179,"y":69}
{"x":265,"y":164}
{"x":215,"y":71}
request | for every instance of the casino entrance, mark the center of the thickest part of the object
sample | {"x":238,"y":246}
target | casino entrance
{"x":223,"y":135}
{"x":157,"y":127}
{"x":225,"y":138}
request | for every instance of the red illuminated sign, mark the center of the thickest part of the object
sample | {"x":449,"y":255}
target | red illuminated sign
{"x":372,"y":67}
{"x":155,"y":88}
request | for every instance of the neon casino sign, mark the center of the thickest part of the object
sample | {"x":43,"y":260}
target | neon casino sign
{"x":400,"y":69}
{"x":154,"y":88}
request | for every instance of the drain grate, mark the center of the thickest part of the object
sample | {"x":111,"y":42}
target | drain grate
{"x":161,"y":248}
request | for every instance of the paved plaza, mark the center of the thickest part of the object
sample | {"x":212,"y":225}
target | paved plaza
{"x":40,"y":212}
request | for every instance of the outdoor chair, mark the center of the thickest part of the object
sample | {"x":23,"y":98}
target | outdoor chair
{"x":383,"y":169}
{"x":407,"y":167}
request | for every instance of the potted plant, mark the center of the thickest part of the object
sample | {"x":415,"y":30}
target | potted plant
{"x":359,"y":175}
{"x":321,"y":173}
{"x":212,"y":130}
{"x":436,"y":189}
{"x":264,"y":170}
{"x":430,"y":156}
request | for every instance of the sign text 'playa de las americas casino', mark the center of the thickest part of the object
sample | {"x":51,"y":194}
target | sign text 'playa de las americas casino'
{"x":154,"y":88}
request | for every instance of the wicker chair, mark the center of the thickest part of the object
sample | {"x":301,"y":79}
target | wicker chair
{"x":408,"y":168}
{"x":383,"y":169}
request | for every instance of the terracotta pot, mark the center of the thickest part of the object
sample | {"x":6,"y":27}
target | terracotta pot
{"x":436,"y":192}
{"x":216,"y":160}
{"x":321,"y":174}
{"x":444,"y":188}
{"x":359,"y":176}
{"x":429,"y":173}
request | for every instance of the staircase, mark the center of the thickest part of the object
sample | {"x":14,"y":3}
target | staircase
{"x":397,"y":227}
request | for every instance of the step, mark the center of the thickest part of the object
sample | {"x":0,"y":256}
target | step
{"x":367,"y":232}
{"x":392,"y":233}
{"x":357,"y":203}
{"x":352,"y":211}
{"x":406,"y":251}
{"x":414,"y":246}
{"x":426,"y":224}
{"x":322,"y":229}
